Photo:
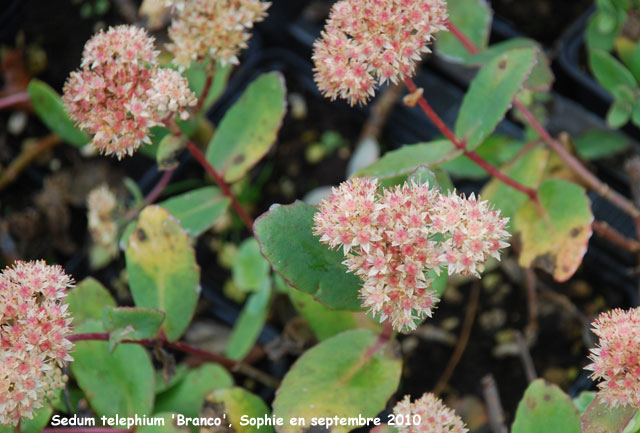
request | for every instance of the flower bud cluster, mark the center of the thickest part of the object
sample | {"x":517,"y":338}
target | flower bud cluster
{"x":34,"y":326}
{"x":391,"y":239}
{"x":427,"y":414}
{"x":370,"y":42}
{"x":616,"y":359}
{"x":102,"y":204}
{"x":218,"y":30}
{"x":120,"y":92}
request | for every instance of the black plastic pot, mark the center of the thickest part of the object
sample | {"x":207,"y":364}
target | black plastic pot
{"x":573,"y":74}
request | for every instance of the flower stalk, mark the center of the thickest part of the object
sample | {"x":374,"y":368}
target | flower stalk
{"x":230,"y":364}
{"x":461,"y":145}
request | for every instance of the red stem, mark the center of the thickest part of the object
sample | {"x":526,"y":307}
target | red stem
{"x":447,"y":132}
{"x":178,"y":345}
{"x":470,"y":46}
{"x":589,"y":178}
{"x":231,"y":365}
{"x":13,"y":99}
{"x":218,"y":179}
{"x":160,"y":186}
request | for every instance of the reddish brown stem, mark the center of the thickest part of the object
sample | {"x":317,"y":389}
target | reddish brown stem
{"x":230,"y":364}
{"x":461,"y":145}
{"x":607,"y":232}
{"x":13,"y":99}
{"x":589,"y":178}
{"x":219,"y":180}
{"x":159,"y":188}
{"x":153,"y":194}
{"x":470,"y":46}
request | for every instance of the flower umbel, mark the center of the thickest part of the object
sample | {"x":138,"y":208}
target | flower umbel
{"x":34,"y":326}
{"x":616,"y":359}
{"x":120,"y":92}
{"x":429,"y":414}
{"x":391,"y":239}
{"x":101,"y":205}
{"x":370,"y":42}
{"x":215,"y":29}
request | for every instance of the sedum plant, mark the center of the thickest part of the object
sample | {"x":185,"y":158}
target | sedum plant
{"x":371,"y":258}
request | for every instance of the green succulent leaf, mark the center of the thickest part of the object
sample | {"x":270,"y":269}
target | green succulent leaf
{"x":249,"y":128}
{"x":163,"y":273}
{"x":342,"y":376}
{"x":49,"y":107}
{"x":490,"y":94}
{"x":197,"y":210}
{"x":87,"y":300}
{"x":473,"y":19}
{"x":600,"y":144}
{"x":130,"y":323}
{"x":250,"y":323}
{"x":609,"y":72}
{"x":324,"y":322}
{"x":557,"y":239}
{"x":544,"y":409}
{"x":250,"y":269}
{"x":286,"y":239}
{"x":119,"y":383}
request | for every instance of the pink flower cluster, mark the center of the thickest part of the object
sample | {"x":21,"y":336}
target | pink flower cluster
{"x":120,"y":92}
{"x":616,"y":359}
{"x":392,"y":238}
{"x":369,"y":42}
{"x":34,"y":326}
{"x":217,"y":30}
{"x":427,"y":414}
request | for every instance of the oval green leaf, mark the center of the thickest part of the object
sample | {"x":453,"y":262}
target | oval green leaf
{"x":119,"y":383}
{"x":87,"y":300}
{"x":473,"y":19}
{"x":286,"y":240}
{"x":197,"y":210}
{"x":130,"y":323}
{"x":609,"y":71}
{"x":490,"y":94}
{"x":405,"y":160}
{"x":163,"y":273}
{"x":49,"y":107}
{"x":546,"y":409}
{"x":344,"y":376}
{"x":250,"y":269}
{"x":324,"y":322}
{"x":250,"y":127}
{"x":250,"y":323}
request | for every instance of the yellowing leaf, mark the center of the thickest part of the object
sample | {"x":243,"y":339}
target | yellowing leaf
{"x":554,"y":233}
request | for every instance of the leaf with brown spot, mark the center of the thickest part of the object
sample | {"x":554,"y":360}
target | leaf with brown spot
{"x":601,"y":418}
{"x":248,"y":130}
{"x":163,"y":273}
{"x":555,"y":233}
{"x":339,"y":377}
{"x":546,"y":409}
